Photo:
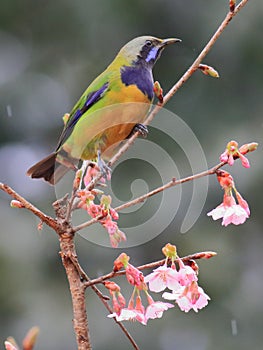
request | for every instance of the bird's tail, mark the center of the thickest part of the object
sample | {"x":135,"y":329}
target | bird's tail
{"x":49,"y":169}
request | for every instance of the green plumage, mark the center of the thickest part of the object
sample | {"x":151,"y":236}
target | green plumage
{"x":106,"y":113}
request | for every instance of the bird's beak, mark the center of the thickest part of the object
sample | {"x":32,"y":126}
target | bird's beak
{"x":169,"y":41}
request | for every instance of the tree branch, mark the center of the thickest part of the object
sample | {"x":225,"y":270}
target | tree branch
{"x":77,"y":289}
{"x":195,"y":256}
{"x":181,"y":81}
{"x":123,"y":328}
{"x":51,"y":222}
{"x":63,"y":228}
{"x":142,"y":198}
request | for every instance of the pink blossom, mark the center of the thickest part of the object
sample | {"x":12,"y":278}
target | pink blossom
{"x":138,"y":306}
{"x":115,"y":304}
{"x":189,"y":297}
{"x":186,"y":274}
{"x":156,"y":309}
{"x":227,"y":157}
{"x":232,"y":152}
{"x":131,"y":313}
{"x":161,"y":278}
{"x":10,"y":346}
{"x":134,"y":276}
{"x":230,"y":212}
{"x":244,"y":161}
{"x":114,"y":214}
{"x":118,"y":302}
{"x":127,"y":314}
{"x":225,"y":180}
{"x":16,"y":204}
{"x":243,"y":203}
{"x":112,"y":286}
{"x":93,"y":209}
{"x":121,"y":300}
{"x":193,"y":297}
{"x":175,"y":294}
{"x":121,"y":261}
{"x":248,"y":147}
{"x":224,"y":156}
{"x":234,"y":215}
{"x":111,"y":226}
{"x":218,"y":212}
{"x":117,"y":237}
{"x":91,"y":172}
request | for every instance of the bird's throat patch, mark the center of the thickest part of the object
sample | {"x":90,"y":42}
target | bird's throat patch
{"x":139,"y":76}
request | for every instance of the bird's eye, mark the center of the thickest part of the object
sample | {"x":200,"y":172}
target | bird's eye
{"x":148,"y":43}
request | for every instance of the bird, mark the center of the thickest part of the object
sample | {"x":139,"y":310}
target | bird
{"x":113,"y":106}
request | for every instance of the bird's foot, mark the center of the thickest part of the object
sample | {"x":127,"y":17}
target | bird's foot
{"x":90,"y":170}
{"x":104,"y":168}
{"x":141,"y":129}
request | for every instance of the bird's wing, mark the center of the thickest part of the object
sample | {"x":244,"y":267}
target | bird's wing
{"x":82,"y":106}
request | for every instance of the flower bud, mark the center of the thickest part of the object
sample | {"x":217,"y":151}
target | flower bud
{"x":120,"y":262}
{"x":112,"y":286}
{"x":31,"y":338}
{"x":10,"y":346}
{"x":16,"y":204}
{"x":134,"y":276}
{"x":77,"y":179}
{"x":105,"y":201}
{"x":114,"y":214}
{"x":208,"y":70}
{"x":242,"y":202}
{"x":205,"y":255}
{"x":169,"y":250}
{"x":225,"y":179}
{"x":121,"y":300}
{"x":158,"y":91}
{"x":232,"y":5}
{"x":248,"y":147}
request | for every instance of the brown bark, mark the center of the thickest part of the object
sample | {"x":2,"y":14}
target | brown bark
{"x":77,"y":290}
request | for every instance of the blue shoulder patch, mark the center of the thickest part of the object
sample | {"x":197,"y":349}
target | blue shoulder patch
{"x":139,"y":76}
{"x":91,"y":99}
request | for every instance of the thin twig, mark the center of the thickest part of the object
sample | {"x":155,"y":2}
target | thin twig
{"x":195,"y":256}
{"x":174,"y":88}
{"x":182,"y":80}
{"x":85,"y":277}
{"x":70,"y":204}
{"x":67,"y":244}
{"x":51,"y":222}
{"x":123,"y":328}
{"x":142,"y":198}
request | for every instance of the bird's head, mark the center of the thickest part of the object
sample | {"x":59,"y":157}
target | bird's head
{"x":145,"y":50}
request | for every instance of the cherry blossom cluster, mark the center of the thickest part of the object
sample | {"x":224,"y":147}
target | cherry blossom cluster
{"x":229,"y":211}
{"x":232,"y":152}
{"x":106,"y":215}
{"x":181,"y":283}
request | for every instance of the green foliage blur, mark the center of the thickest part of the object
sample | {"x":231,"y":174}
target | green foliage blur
{"x":49,"y":52}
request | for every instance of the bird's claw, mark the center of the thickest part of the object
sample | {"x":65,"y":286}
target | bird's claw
{"x":141,"y":129}
{"x":104,"y":168}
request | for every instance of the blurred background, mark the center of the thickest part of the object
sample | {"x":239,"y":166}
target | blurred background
{"x":50,"y":51}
